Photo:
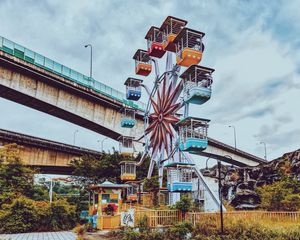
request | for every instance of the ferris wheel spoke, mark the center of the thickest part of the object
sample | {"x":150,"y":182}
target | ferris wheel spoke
{"x":167,"y":128}
{"x":159,"y":102}
{"x":171,"y":119}
{"x":151,"y":127}
{"x":172,"y":109}
{"x":174,"y":96}
{"x":165,"y":141}
{"x":155,"y":106}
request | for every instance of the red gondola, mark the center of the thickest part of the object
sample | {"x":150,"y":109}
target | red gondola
{"x":155,"y":42}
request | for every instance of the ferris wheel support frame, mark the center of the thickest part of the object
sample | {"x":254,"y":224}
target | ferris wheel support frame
{"x":170,"y":75}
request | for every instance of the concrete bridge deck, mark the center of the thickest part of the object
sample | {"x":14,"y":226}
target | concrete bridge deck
{"x":41,"y":87}
{"x":49,"y":156}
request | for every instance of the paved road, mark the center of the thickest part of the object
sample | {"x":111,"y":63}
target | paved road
{"x":39,"y":236}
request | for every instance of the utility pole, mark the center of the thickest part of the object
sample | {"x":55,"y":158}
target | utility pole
{"x":220,"y":197}
{"x":265,"y":146}
{"x":74,"y":137}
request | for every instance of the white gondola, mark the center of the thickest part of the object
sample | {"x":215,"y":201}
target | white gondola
{"x":197,"y":84}
{"x":128,"y":167}
{"x":193,"y":134}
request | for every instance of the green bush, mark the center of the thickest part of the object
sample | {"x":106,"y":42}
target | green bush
{"x":243,"y":231}
{"x":19,"y":216}
{"x":283,"y":195}
{"x":184,"y":205}
{"x":26,"y":215}
{"x":179,"y":231}
{"x":63,"y":215}
{"x":143,"y":224}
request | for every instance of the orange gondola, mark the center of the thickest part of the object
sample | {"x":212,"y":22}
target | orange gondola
{"x":170,"y":28}
{"x":142,"y":62}
{"x":189,"y":47}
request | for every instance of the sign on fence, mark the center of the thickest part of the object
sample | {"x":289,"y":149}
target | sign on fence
{"x":127,"y":218}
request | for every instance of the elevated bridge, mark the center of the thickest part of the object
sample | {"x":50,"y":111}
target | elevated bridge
{"x":38,"y":82}
{"x":49,"y":156}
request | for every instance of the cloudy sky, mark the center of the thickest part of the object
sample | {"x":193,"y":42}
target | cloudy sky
{"x":253,"y":45}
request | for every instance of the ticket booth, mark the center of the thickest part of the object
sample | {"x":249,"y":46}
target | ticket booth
{"x":106,"y":204}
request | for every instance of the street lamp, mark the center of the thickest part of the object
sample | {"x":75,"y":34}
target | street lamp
{"x":220,"y":197}
{"x":265,"y":146}
{"x":220,"y":177}
{"x":234,"y":132}
{"x":102,"y":143}
{"x":206,"y":171}
{"x":91,"y":63}
{"x":74,"y":137}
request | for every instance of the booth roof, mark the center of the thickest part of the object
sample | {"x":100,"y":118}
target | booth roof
{"x":108,"y":184}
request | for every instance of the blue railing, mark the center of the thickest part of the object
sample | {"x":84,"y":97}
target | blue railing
{"x":32,"y":57}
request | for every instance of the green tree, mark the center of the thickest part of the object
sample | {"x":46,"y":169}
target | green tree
{"x":151,"y":185}
{"x":282,"y":195}
{"x":90,"y":170}
{"x":184,"y":204}
{"x":16,"y":179}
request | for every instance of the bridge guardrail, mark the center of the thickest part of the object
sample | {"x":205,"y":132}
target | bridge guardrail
{"x":39,"y":60}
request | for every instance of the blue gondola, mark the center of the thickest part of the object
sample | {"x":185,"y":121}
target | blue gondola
{"x":128,"y":118}
{"x":128,"y":123}
{"x":193,"y":134}
{"x":180,"y":177}
{"x":197,"y":84}
{"x":133,"y":88}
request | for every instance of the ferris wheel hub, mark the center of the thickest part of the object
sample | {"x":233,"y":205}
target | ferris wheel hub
{"x":160,"y":117}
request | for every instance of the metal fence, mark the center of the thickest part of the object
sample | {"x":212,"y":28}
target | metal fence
{"x":257,"y":216}
{"x":158,"y":218}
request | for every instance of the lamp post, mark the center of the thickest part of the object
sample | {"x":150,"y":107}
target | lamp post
{"x":74,"y":137}
{"x":91,"y":62}
{"x":220,"y":177}
{"x":220,"y":197}
{"x":234,"y":132}
{"x":265,"y":146}
{"x":102,"y":143}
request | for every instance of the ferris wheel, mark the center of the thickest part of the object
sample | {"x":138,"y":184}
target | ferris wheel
{"x":170,"y":130}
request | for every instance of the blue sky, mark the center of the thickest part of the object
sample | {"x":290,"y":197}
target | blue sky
{"x":253,"y":45}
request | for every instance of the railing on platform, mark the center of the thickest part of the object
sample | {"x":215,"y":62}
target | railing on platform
{"x":39,"y":60}
{"x":158,"y":218}
{"x":257,"y":216}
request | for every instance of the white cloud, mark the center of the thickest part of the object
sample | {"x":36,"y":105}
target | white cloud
{"x":244,"y":42}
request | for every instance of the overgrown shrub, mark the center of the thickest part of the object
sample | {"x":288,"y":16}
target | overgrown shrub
{"x":282,"y":195}
{"x":184,"y":205}
{"x":152,"y":185}
{"x":63,"y":215}
{"x":19,"y":216}
{"x":26,"y":215}
{"x":179,"y":231}
{"x":209,"y":230}
{"x":143,"y":224}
